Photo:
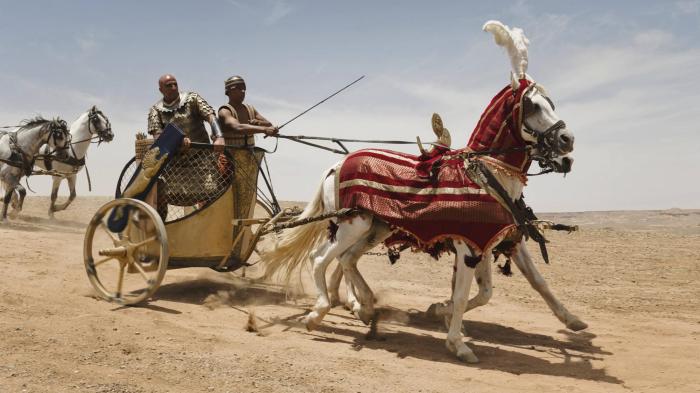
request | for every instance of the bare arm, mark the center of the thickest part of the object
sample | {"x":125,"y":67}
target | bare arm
{"x":229,"y":122}
{"x":259,"y":120}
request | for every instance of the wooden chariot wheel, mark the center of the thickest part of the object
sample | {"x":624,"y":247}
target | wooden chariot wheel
{"x":126,"y":267}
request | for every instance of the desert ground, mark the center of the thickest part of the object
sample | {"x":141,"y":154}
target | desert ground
{"x":634,"y":277}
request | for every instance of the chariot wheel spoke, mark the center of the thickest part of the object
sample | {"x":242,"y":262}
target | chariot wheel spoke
{"x":143,"y":273}
{"x":120,"y":282}
{"x":109,"y":233}
{"x":144,"y":242}
{"x":103,"y":260}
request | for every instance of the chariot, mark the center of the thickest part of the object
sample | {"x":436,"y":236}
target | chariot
{"x":194,"y":216}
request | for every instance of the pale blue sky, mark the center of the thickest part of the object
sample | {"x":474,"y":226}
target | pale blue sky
{"x":624,"y":75}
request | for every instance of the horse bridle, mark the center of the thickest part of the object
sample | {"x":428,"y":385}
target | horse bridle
{"x":546,"y":141}
{"x":58,"y":128}
{"x":94,"y":121}
{"x":546,"y":146}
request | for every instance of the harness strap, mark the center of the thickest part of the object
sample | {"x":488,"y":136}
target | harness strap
{"x":68,"y":160}
{"x":19,"y":158}
{"x":522,"y":214}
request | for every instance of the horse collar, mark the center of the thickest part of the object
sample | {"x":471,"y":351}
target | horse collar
{"x":23,"y":160}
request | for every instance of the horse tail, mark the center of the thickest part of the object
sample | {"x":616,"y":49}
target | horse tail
{"x":297,"y":243}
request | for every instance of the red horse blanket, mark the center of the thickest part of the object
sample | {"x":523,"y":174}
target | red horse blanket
{"x":446,"y":204}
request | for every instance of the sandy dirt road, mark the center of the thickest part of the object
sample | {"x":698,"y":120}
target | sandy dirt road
{"x":634,"y":277}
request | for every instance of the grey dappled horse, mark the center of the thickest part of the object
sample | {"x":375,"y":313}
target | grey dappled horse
{"x":18,"y":151}
{"x":90,"y":127}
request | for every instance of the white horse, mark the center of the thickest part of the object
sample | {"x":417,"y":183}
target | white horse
{"x":89,"y":127}
{"x":18,"y":150}
{"x":542,"y":134}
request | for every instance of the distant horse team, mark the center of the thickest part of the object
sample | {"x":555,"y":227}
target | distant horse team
{"x":48,"y":147}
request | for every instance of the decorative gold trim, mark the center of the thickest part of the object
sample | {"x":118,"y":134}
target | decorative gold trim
{"x":495,"y":239}
{"x":504,"y":169}
{"x":412,"y":190}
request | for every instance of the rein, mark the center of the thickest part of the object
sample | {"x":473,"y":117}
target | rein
{"x":93,"y":138}
{"x":303,"y":139}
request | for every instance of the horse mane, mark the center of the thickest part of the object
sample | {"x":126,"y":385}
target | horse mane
{"x":38,"y":120}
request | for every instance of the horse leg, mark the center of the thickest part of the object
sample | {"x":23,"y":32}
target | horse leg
{"x":71,"y":197}
{"x":55,"y":185}
{"x":350,"y":293}
{"x":14,"y":202}
{"x":20,"y":201}
{"x":484,"y":280}
{"x":334,"y":289}
{"x":334,"y":285}
{"x":465,"y":263}
{"x":524,"y":262}
{"x":6,"y":201}
{"x":348,"y":233}
{"x":360,"y":296}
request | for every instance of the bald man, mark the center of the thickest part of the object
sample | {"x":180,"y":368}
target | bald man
{"x":187,"y":110}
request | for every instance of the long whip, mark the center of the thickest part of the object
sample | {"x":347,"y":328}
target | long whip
{"x":321,"y":102}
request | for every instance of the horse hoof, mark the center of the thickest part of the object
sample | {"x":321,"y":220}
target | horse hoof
{"x":309,"y":323}
{"x":468,"y":357}
{"x":576,"y":325}
{"x":464,"y":353}
{"x":365,"y":317}
{"x":437,"y":310}
{"x":431,"y":312}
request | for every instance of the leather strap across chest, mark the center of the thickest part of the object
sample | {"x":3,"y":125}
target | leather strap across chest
{"x":18,"y":157}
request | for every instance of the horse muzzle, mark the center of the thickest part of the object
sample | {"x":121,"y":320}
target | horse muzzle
{"x":563,"y":142}
{"x":562,"y":164}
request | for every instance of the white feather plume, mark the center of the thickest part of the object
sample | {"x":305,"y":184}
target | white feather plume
{"x":514,"y":41}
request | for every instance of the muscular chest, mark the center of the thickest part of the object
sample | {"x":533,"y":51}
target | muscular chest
{"x":242,"y":115}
